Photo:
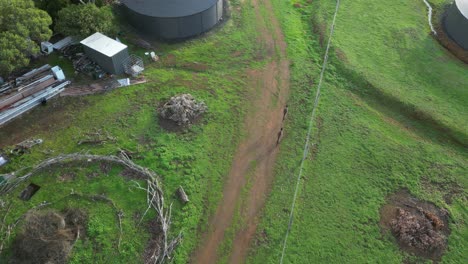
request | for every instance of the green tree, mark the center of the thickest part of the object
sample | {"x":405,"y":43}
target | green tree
{"x":22,"y":27}
{"x":84,"y":20}
{"x":52,"y":6}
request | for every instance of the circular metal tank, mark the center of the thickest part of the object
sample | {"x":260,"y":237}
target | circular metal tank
{"x":456,"y":22}
{"x":173,"y":19}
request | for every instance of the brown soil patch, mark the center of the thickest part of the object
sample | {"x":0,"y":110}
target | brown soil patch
{"x":268,"y":96}
{"x":237,"y":53}
{"x":320,"y":30}
{"x":195,"y":66}
{"x":447,"y":187}
{"x":419,"y":227}
{"x":131,"y":174}
{"x":41,"y":120}
{"x":67,"y":177}
{"x":155,"y":241}
{"x":48,"y":237}
{"x":169,"y":61}
{"x":341,"y":55}
{"x":105,"y":167}
{"x":172,"y":126}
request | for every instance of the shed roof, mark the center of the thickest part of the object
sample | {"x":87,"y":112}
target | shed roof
{"x":169,"y":8}
{"x":463,"y":7}
{"x":103,"y":44}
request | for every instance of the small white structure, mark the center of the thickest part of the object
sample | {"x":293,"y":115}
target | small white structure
{"x":58,"y":73}
{"x":47,"y":47}
{"x":3,"y":161}
{"x":124,"y":82}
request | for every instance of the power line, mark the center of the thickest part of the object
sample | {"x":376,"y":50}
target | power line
{"x":309,"y":132}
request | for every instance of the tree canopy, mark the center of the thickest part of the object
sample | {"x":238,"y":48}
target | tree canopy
{"x":22,"y":27}
{"x":84,"y":20}
{"x":52,"y":6}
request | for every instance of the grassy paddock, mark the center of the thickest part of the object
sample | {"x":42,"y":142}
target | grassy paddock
{"x":361,"y":152}
{"x":213,"y":69}
{"x":100,"y":241}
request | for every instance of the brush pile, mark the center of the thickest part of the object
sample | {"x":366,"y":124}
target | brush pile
{"x":183,"y":109}
{"x":48,"y":237}
{"x":420,"y":231}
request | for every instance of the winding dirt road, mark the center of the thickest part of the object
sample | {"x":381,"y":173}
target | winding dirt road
{"x":256,"y":155}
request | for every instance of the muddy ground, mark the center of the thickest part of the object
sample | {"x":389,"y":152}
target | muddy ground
{"x":269,"y":92}
{"x":419,"y":227}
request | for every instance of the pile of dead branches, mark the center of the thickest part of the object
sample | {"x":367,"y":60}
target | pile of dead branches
{"x":159,"y":248}
{"x":419,"y":231}
{"x":183,"y":109}
{"x":48,"y":237}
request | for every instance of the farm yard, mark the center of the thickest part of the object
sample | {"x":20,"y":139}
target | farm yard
{"x":386,"y":163}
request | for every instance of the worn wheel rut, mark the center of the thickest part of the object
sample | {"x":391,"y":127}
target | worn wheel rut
{"x":256,"y":154}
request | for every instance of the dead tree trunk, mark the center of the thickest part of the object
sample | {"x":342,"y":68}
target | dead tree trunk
{"x":182,"y":195}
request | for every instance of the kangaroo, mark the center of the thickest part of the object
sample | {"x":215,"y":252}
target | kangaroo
{"x":280,"y":136}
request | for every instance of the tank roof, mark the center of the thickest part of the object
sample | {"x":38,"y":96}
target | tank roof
{"x":169,"y":8}
{"x":463,"y":7}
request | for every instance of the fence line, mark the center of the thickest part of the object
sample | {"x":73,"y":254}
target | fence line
{"x":309,"y":132}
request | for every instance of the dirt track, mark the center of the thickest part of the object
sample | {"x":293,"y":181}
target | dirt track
{"x":257,"y":153}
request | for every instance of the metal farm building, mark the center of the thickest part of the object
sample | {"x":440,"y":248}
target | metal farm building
{"x":173,"y":19}
{"x":108,"y":53}
{"x":456,"y":22}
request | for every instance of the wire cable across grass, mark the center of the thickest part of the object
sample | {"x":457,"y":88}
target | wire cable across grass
{"x":309,"y":132}
{"x":429,"y":17}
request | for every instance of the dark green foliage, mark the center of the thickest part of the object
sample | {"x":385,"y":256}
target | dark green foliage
{"x":84,"y":20}
{"x":13,"y":50}
{"x":52,"y":6}
{"x":22,"y":27}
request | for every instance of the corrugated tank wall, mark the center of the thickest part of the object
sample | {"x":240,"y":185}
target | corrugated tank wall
{"x":177,"y":27}
{"x":456,"y":26}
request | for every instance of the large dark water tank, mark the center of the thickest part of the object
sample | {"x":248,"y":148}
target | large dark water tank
{"x":456,"y":22}
{"x":173,"y":19}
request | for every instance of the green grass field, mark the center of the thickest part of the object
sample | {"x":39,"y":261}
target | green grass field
{"x":102,"y":227}
{"x":198,"y":159}
{"x":391,"y":116}
{"x":365,"y":148}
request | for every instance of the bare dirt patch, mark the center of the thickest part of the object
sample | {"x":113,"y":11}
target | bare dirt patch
{"x":169,"y":61}
{"x":195,"y":66}
{"x":449,"y":188}
{"x":268,"y":93}
{"x":48,"y":237}
{"x":67,"y":177}
{"x":419,"y":227}
{"x":56,"y":115}
{"x":341,"y":55}
{"x":155,"y":241}
{"x":172,"y":126}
